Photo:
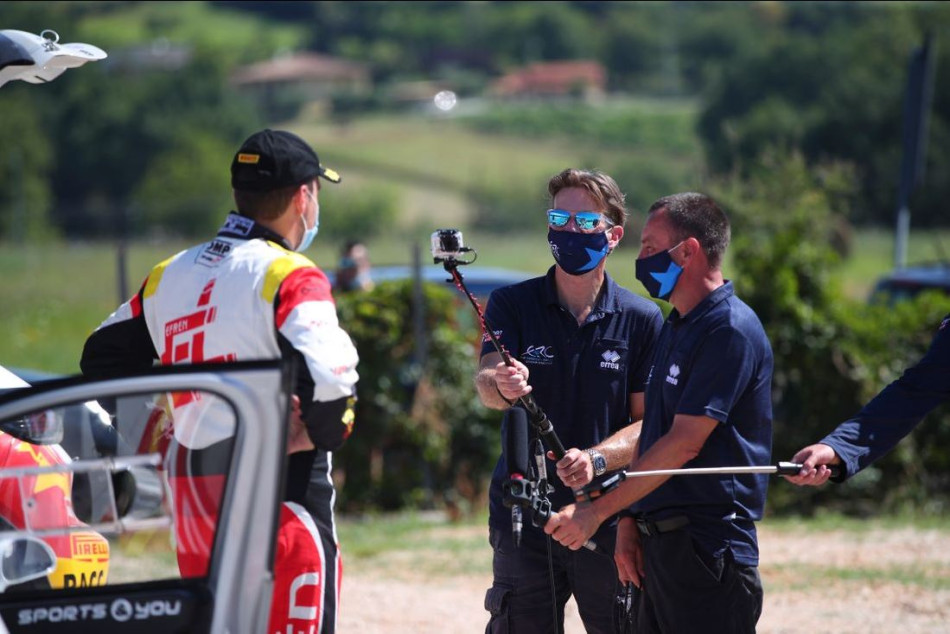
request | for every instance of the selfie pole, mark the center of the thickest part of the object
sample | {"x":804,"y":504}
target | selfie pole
{"x":446,"y":247}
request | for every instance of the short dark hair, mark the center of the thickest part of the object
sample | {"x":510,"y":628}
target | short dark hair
{"x":263,"y":205}
{"x":693,"y":215}
{"x":266,"y":205}
{"x":601,"y":187}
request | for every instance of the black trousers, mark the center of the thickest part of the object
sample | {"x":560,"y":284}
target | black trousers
{"x":685,"y":590}
{"x":521,"y":601}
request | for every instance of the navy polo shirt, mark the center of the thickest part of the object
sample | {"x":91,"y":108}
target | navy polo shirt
{"x":715,"y":361}
{"x":581,"y":375}
{"x":899,"y":407}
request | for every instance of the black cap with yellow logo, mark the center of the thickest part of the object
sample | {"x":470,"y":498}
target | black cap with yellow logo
{"x":274,"y":159}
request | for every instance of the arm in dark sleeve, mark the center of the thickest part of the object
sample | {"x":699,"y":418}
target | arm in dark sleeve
{"x":120,"y":346}
{"x":500,"y":316}
{"x":896,"y":410}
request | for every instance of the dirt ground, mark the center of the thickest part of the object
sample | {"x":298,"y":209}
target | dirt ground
{"x":842,"y":582}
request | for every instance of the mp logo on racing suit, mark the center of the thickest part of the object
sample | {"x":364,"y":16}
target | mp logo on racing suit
{"x":538,"y":355}
{"x":216,"y":251}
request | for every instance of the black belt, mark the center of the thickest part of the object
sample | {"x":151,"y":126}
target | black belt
{"x":651,"y":528}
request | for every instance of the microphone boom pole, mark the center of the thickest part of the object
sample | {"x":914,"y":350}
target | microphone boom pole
{"x":537,"y":416}
{"x":593,"y":491}
{"x":782,"y":468}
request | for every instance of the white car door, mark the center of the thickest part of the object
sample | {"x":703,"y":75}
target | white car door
{"x":139,"y":530}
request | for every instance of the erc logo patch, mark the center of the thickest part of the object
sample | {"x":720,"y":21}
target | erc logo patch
{"x":539,"y":355}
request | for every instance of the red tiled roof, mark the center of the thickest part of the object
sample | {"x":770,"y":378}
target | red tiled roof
{"x":552,"y":78}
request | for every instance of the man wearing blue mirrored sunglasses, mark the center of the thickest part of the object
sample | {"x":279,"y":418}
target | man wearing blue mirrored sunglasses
{"x":581,"y":345}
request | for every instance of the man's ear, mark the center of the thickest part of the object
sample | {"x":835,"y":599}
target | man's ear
{"x":614,"y":235}
{"x":690,"y":249}
{"x":301,"y":198}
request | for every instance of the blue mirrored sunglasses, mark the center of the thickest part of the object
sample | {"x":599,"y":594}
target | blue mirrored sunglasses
{"x":584,"y":220}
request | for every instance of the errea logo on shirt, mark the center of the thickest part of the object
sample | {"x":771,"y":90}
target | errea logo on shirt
{"x":671,"y":378}
{"x":610,"y":358}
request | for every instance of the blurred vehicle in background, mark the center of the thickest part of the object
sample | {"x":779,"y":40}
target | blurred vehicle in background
{"x":908,"y":282}
{"x":480,"y":280}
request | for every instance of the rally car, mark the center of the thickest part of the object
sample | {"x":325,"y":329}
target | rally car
{"x":118,"y":568}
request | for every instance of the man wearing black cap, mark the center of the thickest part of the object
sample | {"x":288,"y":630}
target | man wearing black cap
{"x":258,"y":298}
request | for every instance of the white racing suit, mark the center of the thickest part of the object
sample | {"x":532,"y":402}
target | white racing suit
{"x":244,"y":296}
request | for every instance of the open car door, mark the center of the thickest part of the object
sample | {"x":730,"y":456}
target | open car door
{"x":143,"y":504}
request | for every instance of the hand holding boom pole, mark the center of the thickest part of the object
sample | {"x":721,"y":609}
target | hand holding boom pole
{"x":446,"y":247}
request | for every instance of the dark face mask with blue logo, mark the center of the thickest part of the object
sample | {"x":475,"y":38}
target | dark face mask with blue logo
{"x":659,"y":273}
{"x":578,"y":253}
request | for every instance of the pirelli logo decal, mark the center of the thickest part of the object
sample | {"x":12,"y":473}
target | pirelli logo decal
{"x":88,"y":547}
{"x":250,"y":159}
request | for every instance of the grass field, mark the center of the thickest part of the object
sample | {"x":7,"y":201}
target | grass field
{"x":53,"y":296}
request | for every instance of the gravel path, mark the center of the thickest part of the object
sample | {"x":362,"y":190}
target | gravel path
{"x":843,"y":582}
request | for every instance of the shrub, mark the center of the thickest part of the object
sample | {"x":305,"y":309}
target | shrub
{"x":420,"y":438}
{"x":831,"y":354}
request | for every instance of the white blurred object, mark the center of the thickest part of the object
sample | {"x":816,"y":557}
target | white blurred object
{"x":445,"y":100}
{"x":50,"y":58}
{"x":9,"y":379}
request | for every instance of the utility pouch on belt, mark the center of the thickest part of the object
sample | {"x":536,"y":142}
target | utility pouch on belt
{"x":496,"y":602}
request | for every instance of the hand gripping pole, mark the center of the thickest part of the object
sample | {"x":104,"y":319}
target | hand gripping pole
{"x":596,"y":490}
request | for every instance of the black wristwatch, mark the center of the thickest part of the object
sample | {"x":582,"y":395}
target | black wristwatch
{"x":600,"y":463}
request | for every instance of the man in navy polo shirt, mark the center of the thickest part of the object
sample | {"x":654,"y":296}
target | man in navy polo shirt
{"x":691,"y":543}
{"x":884,"y":421}
{"x":582,"y":346}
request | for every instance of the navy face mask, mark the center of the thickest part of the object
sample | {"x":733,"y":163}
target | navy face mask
{"x":658,"y":273}
{"x":578,"y":253}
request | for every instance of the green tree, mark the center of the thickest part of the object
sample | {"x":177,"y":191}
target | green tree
{"x":421,"y":436}
{"x":130,"y":120}
{"x":833,"y":89}
{"x":831,"y":354}
{"x":26,"y":159}
{"x":186,"y":190}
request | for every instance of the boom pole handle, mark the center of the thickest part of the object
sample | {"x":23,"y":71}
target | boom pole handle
{"x":535,"y":414}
